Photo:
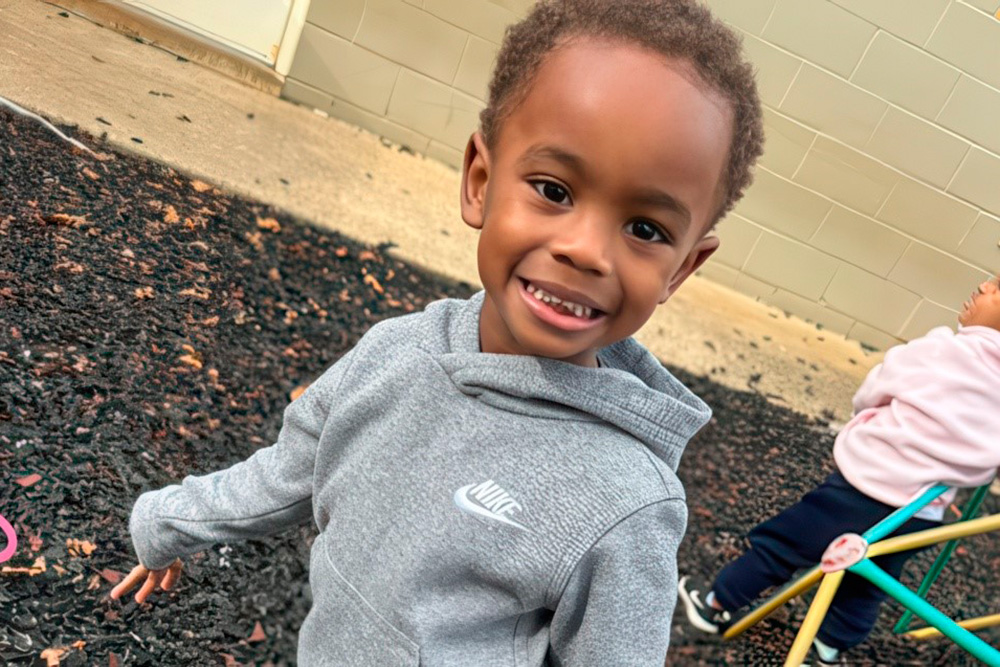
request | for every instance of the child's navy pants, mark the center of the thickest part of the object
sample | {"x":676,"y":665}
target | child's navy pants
{"x":797,"y":538}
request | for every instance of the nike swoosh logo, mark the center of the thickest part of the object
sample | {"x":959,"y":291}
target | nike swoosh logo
{"x":463,"y":503}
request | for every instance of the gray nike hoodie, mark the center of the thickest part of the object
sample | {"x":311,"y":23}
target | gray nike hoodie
{"x":473,"y":509}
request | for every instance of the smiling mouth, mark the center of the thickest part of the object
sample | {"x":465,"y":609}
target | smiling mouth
{"x":562,"y":306}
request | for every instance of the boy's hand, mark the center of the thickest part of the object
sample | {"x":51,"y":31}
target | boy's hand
{"x":165,"y":578}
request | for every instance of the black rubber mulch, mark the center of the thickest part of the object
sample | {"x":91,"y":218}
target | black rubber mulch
{"x":152,"y":326}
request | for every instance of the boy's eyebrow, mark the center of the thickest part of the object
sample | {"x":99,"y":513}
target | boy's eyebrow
{"x":644,"y":196}
{"x":542,"y":151}
{"x":660,"y":199}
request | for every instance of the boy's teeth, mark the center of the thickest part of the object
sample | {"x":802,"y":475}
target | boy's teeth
{"x":575,"y":308}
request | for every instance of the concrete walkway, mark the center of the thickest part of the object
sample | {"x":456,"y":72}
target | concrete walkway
{"x":337,"y":176}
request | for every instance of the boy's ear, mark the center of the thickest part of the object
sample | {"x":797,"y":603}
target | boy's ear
{"x":475,"y":176}
{"x":701,"y":251}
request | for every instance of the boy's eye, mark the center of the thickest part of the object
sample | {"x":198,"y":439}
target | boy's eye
{"x":647,"y":231}
{"x":552,"y":191}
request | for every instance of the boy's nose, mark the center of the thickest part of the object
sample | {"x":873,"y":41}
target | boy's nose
{"x":585,"y":245}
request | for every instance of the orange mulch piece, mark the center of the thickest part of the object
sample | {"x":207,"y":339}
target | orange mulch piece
{"x":258,"y":634}
{"x":371,"y":280}
{"x":298,"y":391}
{"x":197,"y":292}
{"x":270,"y":224}
{"x":28,"y":480}
{"x":110,"y":576}
{"x":35,"y":568}
{"x":76,"y":547}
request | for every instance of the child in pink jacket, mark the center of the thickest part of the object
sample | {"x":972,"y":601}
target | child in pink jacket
{"x":926,"y":415}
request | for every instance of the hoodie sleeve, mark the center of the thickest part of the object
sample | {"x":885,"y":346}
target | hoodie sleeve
{"x":269,"y":492}
{"x":902,"y":365}
{"x":617,"y":606}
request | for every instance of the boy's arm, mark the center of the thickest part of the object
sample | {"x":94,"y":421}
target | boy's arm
{"x":269,"y":492}
{"x":617,"y":607}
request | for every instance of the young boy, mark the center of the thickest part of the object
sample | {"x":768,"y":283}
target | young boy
{"x":926,"y":415}
{"x":493,"y":479}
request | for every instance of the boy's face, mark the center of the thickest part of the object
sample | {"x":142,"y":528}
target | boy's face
{"x":983,"y":307}
{"x":599,"y":191}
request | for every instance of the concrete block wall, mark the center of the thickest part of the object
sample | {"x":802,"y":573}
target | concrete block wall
{"x":876,"y":206}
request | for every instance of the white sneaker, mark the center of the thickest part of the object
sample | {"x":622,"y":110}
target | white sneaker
{"x":699,"y":614}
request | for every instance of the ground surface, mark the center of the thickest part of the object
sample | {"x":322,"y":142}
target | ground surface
{"x":152,"y":326}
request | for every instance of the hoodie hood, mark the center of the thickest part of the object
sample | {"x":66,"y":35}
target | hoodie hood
{"x":631,"y":390}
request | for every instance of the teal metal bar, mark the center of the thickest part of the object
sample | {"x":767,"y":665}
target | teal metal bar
{"x":970,"y":642}
{"x":889,"y":524}
{"x":968,"y":512}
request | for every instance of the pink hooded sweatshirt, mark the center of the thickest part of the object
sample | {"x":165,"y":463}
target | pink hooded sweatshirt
{"x":928,"y":414}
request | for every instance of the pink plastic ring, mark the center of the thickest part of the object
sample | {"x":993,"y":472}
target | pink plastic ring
{"x":8,"y":531}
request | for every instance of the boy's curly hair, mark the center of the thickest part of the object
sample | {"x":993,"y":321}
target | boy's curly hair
{"x":681,"y":29}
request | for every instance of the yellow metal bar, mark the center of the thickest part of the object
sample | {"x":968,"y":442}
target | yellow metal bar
{"x":968,"y":624}
{"x":817,"y":612}
{"x":934,"y":535}
{"x":797,"y":587}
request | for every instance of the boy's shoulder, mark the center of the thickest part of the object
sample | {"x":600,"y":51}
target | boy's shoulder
{"x":430,"y":330}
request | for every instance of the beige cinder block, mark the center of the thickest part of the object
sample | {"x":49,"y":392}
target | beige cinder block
{"x":380,"y":125}
{"x":977,"y":179}
{"x":927,"y":316}
{"x":973,"y":111}
{"x":821,"y":32}
{"x":737,"y":237}
{"x":776,"y":69}
{"x":917,"y":147}
{"x":870,"y":298}
{"x":913,"y":21}
{"x":982,"y":245}
{"x":476,"y":67}
{"x":778,"y":204}
{"x":341,"y":17}
{"x":833,"y":106}
{"x":905,"y":75}
{"x":411,"y":36}
{"x":786,"y":143}
{"x":928,"y":214}
{"x":337,"y":67}
{"x":873,"y":337}
{"x":846,"y":175}
{"x":482,"y":18}
{"x":935,"y":275}
{"x":970,"y":40}
{"x":749,"y":15}
{"x":753,"y":288}
{"x":718,"y":272}
{"x":860,"y":240}
{"x":434,"y":109}
{"x":811,"y":311}
{"x":794,"y":266}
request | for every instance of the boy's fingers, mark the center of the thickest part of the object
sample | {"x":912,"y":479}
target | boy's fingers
{"x":172,"y":574}
{"x":137,"y":574}
{"x":151,"y":580}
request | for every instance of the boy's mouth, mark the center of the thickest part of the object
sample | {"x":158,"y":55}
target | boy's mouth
{"x":562,"y":306}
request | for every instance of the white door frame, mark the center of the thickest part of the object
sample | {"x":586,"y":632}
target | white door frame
{"x":290,"y":39}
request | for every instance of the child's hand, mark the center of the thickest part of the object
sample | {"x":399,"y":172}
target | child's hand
{"x":165,"y":578}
